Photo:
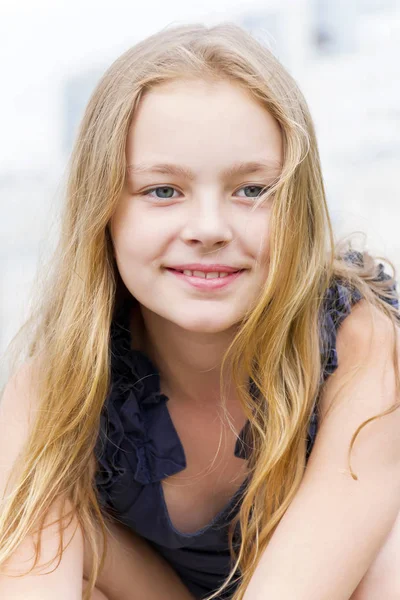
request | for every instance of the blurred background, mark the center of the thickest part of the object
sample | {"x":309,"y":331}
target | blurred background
{"x":344,"y":54}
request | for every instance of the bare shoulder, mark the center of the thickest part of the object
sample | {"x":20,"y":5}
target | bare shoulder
{"x":367,"y":327}
{"x":19,"y":403}
{"x":364,"y":385}
{"x":23,"y":372}
{"x":18,"y":412}
{"x":20,"y":394}
{"x":366,"y":343}
{"x":22,"y":382}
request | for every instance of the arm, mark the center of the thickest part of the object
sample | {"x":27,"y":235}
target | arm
{"x":17,"y":409}
{"x":336,"y":525}
{"x":133,"y":570}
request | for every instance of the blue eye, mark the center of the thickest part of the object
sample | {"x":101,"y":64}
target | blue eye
{"x":253,"y":187}
{"x":166,"y":189}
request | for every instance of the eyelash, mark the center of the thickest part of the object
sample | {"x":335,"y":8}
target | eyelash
{"x":148,"y":191}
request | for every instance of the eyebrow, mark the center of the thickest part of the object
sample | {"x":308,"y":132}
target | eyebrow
{"x":238,"y":168}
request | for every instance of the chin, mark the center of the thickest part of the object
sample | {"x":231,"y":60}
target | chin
{"x":206,"y":324}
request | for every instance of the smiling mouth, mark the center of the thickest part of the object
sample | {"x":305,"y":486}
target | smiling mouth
{"x":200,"y":282}
{"x":203,"y":275}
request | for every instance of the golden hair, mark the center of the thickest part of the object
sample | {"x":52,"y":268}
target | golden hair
{"x":277,"y":344}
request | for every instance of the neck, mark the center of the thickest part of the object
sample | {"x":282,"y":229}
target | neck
{"x":189,"y":363}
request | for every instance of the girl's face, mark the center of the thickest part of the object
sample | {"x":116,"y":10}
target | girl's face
{"x":188,"y":198}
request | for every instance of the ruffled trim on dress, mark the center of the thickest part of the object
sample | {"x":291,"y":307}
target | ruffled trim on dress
{"x":338,"y":302}
{"x":133,"y":417}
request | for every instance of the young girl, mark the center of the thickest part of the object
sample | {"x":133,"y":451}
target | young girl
{"x":204,"y":359}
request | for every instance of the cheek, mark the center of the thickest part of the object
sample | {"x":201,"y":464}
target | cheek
{"x":137,"y":246}
{"x":127,"y":247}
{"x":258,"y":236}
{"x":130,"y":240}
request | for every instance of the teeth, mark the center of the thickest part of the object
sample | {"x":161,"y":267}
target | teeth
{"x":211,"y":275}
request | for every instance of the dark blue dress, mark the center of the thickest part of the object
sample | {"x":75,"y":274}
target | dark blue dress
{"x":138,"y":446}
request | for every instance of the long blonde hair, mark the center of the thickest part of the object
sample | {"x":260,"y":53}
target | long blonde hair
{"x":277,"y":345}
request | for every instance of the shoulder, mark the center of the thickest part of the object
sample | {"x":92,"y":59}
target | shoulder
{"x":364,"y":384}
{"x":368,"y":338}
{"x":18,"y":409}
{"x":19,"y":395}
{"x":366,"y":333}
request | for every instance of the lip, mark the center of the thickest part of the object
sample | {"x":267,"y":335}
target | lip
{"x":215,"y":268}
{"x":202,"y":283}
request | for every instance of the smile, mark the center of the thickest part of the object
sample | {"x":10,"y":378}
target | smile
{"x":206,"y":281}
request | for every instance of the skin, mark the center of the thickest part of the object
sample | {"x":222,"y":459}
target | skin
{"x":206,"y":127}
{"x":128,"y":572}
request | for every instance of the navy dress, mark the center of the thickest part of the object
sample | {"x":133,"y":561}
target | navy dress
{"x":138,"y":446}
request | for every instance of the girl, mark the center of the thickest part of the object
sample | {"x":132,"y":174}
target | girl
{"x":204,"y":358}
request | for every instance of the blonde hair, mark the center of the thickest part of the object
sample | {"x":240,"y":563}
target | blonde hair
{"x":277,"y":345}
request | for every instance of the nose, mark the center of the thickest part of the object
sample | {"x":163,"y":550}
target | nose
{"x":208,"y":223}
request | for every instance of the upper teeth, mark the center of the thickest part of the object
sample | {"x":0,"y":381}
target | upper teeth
{"x":205,"y":275}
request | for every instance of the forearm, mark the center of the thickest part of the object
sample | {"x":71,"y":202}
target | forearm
{"x":322,"y":554}
{"x":133,"y":570}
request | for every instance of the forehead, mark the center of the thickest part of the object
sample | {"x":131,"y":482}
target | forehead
{"x":193,"y":122}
